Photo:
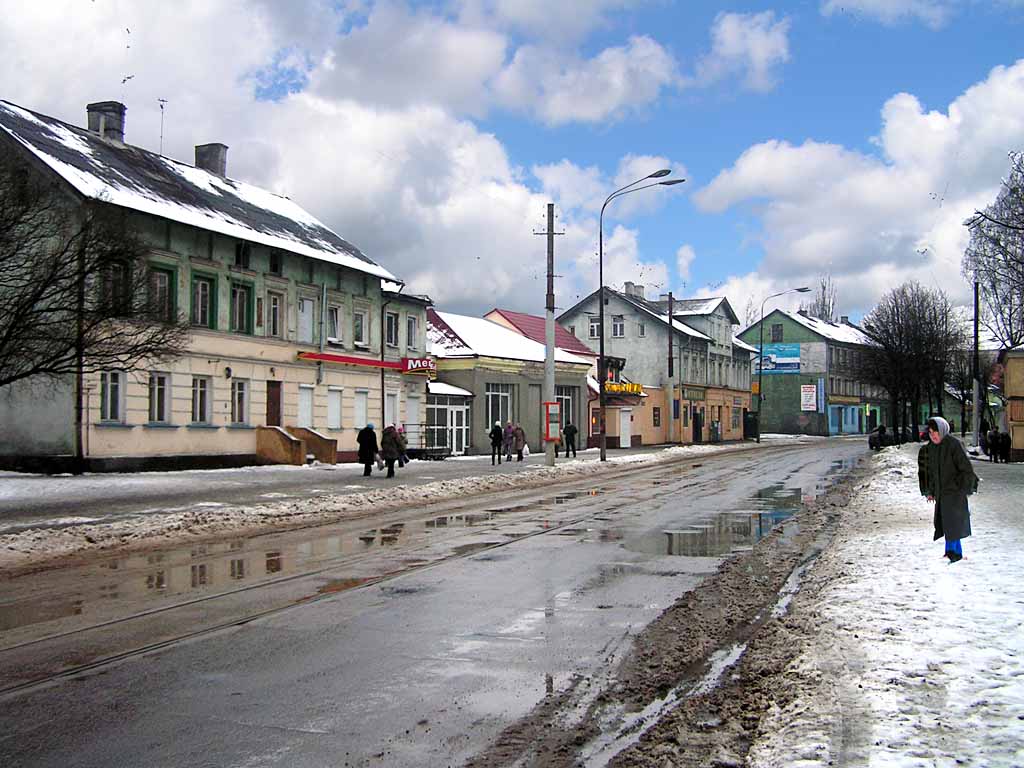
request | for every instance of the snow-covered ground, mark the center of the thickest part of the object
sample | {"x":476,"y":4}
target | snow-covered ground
{"x":33,"y":545}
{"x":909,"y":660}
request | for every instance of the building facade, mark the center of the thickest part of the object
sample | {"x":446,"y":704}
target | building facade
{"x":296,"y":336}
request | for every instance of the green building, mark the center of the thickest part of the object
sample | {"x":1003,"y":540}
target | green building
{"x":811,"y":384}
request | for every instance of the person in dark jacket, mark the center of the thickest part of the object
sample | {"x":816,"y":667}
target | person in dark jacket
{"x":569,"y":434}
{"x":390,"y":448}
{"x":367,"y":440}
{"x":403,"y":446}
{"x":945,"y":476}
{"x":519,"y":440}
{"x":497,"y":437}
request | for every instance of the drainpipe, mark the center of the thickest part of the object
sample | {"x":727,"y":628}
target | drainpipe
{"x":323,"y":340}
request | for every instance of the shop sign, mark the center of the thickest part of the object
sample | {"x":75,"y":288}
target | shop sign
{"x":844,"y":400}
{"x":420,"y":366}
{"x":808,"y":397}
{"x":694,"y":393}
{"x":779,"y":358}
{"x":622,"y":388}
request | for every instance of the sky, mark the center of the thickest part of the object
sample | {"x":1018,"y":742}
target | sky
{"x":848,"y":138}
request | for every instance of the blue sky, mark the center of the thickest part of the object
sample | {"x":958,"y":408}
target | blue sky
{"x":850,"y":138}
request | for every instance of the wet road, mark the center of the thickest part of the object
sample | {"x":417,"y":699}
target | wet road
{"x":412,"y":643}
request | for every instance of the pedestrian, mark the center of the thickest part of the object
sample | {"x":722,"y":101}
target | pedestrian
{"x":519,"y":437}
{"x":497,"y":437}
{"x":367,"y":440}
{"x":569,"y":432}
{"x":508,"y":439}
{"x":403,"y":445}
{"x":945,"y":476}
{"x":389,"y":448}
{"x":983,"y":429}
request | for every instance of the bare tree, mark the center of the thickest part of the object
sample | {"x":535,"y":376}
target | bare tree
{"x":76,"y":292}
{"x":995,"y":258}
{"x":823,"y":305}
{"x":750,"y":312}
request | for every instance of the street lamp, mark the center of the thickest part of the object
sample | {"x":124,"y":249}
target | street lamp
{"x":760,"y":356}
{"x":602,"y":373}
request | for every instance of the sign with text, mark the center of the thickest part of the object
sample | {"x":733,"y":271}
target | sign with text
{"x":779,"y":358}
{"x":420,"y":366}
{"x":552,"y":420}
{"x":808,"y":397}
{"x":694,"y":393}
{"x":622,"y":388}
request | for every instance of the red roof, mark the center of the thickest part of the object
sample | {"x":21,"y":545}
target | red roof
{"x":532,"y":327}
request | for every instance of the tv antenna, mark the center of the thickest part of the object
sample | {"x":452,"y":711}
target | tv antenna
{"x":162,"y":102}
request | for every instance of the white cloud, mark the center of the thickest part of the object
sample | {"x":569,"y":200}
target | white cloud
{"x":568,"y":20}
{"x":559,"y":88}
{"x":875,"y":221}
{"x":934,"y":13}
{"x":684,"y":258}
{"x":750,"y":46}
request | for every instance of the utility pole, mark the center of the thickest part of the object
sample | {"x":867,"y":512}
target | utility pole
{"x":671,"y":386}
{"x":976,"y":375}
{"x":549,"y":338}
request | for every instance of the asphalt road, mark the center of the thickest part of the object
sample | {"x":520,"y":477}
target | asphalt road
{"x":412,"y":643}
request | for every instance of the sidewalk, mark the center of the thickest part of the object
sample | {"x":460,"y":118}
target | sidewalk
{"x":905,"y":658}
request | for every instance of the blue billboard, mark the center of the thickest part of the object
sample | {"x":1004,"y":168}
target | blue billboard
{"x":780,"y":358}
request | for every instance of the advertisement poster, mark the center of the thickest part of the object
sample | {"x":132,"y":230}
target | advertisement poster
{"x":781,"y":358}
{"x":808,"y":397}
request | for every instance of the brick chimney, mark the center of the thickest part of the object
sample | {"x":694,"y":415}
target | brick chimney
{"x":629,"y":288}
{"x":638,"y":291}
{"x":107,"y":119}
{"x":212,"y":158}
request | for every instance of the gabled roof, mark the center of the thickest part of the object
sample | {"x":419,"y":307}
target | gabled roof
{"x":534,"y":327}
{"x":454,"y":336}
{"x":695,"y":307}
{"x":841,"y":332}
{"x":133,"y":178}
{"x":645,"y":306}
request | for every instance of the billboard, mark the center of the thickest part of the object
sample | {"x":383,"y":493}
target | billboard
{"x":808,"y":397}
{"x":780,"y":358}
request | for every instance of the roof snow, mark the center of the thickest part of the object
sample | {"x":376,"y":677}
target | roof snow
{"x":144,"y":181}
{"x":440,"y":388}
{"x":642,"y":305}
{"x":842,"y":332}
{"x":453,"y":335}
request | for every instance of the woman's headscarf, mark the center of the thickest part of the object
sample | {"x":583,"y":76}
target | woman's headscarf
{"x":940,"y":425}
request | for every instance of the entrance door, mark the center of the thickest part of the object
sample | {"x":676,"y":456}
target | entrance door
{"x":698,"y":425}
{"x":273,"y":404}
{"x":625,"y":427}
{"x":458,"y":418}
{"x":305,"y":407}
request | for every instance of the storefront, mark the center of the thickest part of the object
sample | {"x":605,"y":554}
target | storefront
{"x":446,"y":431}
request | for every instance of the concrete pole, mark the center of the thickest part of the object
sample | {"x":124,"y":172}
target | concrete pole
{"x":549,"y":335}
{"x":671,"y":384}
{"x":976,"y":375}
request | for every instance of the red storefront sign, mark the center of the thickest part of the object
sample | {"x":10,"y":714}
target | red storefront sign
{"x":420,"y":366}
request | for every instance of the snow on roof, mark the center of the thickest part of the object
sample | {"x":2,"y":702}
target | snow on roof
{"x":695,"y":306}
{"x":144,"y":181}
{"x":462,"y":336}
{"x":593,"y":384}
{"x":737,"y":342}
{"x":440,"y":388}
{"x":533,"y":327}
{"x":676,"y":324}
{"x":842,"y":332}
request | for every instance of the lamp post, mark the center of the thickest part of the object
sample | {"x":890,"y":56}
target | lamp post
{"x":602,"y":373}
{"x":760,"y":356}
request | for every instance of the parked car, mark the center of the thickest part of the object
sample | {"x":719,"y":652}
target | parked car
{"x":881,"y":436}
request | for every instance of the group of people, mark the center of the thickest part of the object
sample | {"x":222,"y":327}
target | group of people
{"x":995,"y":443}
{"x":512,"y":438}
{"x":393,"y":446}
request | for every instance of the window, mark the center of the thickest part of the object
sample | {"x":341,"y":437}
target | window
{"x":334,"y":409}
{"x":199,"y":575}
{"x":567,"y":398}
{"x":201,"y":400}
{"x":656,"y":415}
{"x":161,"y":297}
{"x":391,"y":327}
{"x":842,"y":356}
{"x":412,"y":331}
{"x":333,"y":328}
{"x":203,"y":302}
{"x":776,"y":333}
{"x":276,"y":262}
{"x":159,"y":398}
{"x":238,"y":569}
{"x":239,"y":401}
{"x":361,"y":415}
{"x":242,"y":251}
{"x":595,"y":327}
{"x":115,"y":288}
{"x":735,"y":418}
{"x":275,"y":314}
{"x":391,"y":408}
{"x":359,"y":329}
{"x":572,"y":329}
{"x":641,"y":330}
{"x":306,"y":309}
{"x":241,"y":308}
{"x":618,"y":327}
{"x":831,"y":384}
{"x":111,"y":386}
{"x":498,"y":402}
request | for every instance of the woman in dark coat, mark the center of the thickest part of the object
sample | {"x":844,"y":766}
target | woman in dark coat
{"x":519,"y":440}
{"x":497,"y":436}
{"x":367,"y":440}
{"x":390,"y":448}
{"x":946,"y":477}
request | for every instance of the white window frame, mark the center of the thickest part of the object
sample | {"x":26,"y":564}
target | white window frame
{"x":595,"y":327}
{"x":361,"y":408}
{"x":361,"y":339}
{"x":240,"y":395}
{"x":334,"y":324}
{"x":112,"y":396}
{"x":159,"y":398}
{"x":307,"y":334}
{"x":241,"y":293}
{"x":391,"y":404}
{"x":202,"y":400}
{"x":499,"y":395}
{"x":275,"y":314}
{"x":300,"y":419}
{"x":618,"y":327}
{"x":202,"y":301}
{"x":334,"y":407}
{"x":391,"y":325}
{"x":412,"y":332}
